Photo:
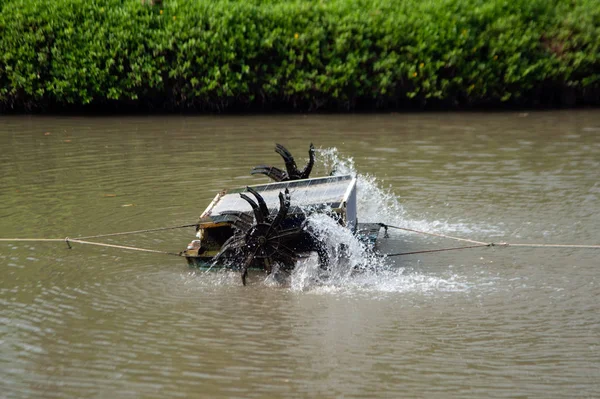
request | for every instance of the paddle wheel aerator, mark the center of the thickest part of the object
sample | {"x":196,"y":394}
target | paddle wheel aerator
{"x":274,"y":232}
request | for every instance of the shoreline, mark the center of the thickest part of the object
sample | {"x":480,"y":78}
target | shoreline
{"x":297,"y":56}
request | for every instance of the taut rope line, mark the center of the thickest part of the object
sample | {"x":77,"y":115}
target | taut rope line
{"x":99,"y":235}
{"x":436,"y":250}
{"x":506,"y":244}
{"x":80,"y":240}
{"x":69,"y":240}
{"x":139,"y":231}
{"x":32,"y":239}
{"x":386,"y":226}
{"x":478,"y":244}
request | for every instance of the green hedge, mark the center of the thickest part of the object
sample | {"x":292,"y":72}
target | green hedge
{"x":327,"y":54}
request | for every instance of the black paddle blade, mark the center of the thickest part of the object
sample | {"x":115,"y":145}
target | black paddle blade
{"x":284,"y":206}
{"x":257,"y":213}
{"x":270,"y":171}
{"x":245,"y":266}
{"x":261,"y":202}
{"x":290,"y":164}
{"x":311,"y":161}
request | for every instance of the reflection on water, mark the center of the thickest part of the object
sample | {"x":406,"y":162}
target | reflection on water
{"x":98,"y":322}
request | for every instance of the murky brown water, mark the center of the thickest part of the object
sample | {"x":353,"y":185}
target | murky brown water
{"x":105,"y":323}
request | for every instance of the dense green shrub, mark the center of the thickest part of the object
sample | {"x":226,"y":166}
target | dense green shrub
{"x":327,"y":54}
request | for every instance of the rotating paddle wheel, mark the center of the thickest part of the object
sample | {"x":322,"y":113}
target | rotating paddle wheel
{"x":266,"y":239}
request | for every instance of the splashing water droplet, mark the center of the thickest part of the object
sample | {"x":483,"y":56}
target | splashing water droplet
{"x":346,"y":255}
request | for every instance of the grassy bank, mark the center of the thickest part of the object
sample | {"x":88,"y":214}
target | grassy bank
{"x":310,"y":55}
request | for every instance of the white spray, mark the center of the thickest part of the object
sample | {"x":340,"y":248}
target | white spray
{"x":351,"y":264}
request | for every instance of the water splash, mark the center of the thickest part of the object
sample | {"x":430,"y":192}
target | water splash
{"x":346,"y":255}
{"x":374,"y":203}
{"x":390,"y":281}
{"x":352,"y":266}
{"x":377,"y":204}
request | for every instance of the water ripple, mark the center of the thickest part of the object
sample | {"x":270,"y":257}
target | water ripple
{"x":493,"y":322}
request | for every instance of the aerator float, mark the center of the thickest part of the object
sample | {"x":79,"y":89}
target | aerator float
{"x":265,"y":226}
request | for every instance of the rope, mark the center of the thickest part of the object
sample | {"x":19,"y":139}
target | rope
{"x":480,"y":244}
{"x":31,"y":239}
{"x":96,"y":236}
{"x":139,"y":231}
{"x":435,"y":250}
{"x":80,"y":240}
{"x":69,"y":240}
{"x":505,"y":244}
{"x":386,"y":226}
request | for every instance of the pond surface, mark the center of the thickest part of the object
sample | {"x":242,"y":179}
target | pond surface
{"x":94,"y":322}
